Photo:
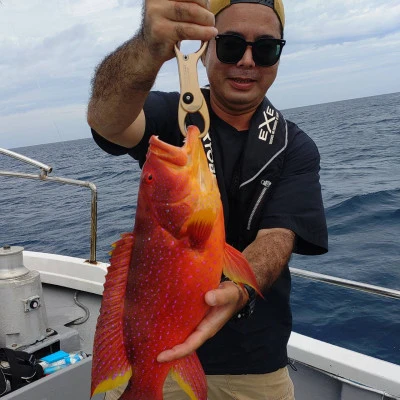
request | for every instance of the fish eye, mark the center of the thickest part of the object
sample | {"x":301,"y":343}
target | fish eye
{"x":148,"y":178}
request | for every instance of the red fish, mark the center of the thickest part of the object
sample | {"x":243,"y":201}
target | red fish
{"x":158,"y":275}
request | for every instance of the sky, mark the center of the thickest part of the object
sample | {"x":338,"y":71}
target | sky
{"x":50,"y":48}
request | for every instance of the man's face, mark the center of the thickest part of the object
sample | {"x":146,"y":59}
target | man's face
{"x":240,"y":88}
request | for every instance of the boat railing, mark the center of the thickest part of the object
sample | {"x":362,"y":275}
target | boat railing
{"x":43,"y":176}
{"x":363,"y":287}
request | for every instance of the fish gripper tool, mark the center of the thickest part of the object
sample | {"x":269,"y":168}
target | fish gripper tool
{"x":191,"y":99}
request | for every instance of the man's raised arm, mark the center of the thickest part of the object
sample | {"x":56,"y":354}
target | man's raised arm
{"x":123,"y":80}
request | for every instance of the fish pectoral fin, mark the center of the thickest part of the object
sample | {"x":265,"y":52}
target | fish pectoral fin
{"x":110,"y":367}
{"x":237,"y":268}
{"x":200,"y":226}
{"x":190,"y":376}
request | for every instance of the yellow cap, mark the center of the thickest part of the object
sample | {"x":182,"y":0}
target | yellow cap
{"x":217,"y":6}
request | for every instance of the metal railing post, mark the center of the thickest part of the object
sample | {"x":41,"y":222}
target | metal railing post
{"x":43,"y":176}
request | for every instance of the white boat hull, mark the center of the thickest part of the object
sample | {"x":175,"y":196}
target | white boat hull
{"x":321,"y":370}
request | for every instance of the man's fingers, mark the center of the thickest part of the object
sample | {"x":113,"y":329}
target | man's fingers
{"x":177,"y":12}
{"x":168,"y":22}
{"x":178,"y":30}
{"x":184,"y":31}
{"x":211,"y":298}
{"x":202,"y":3}
{"x":187,"y":31}
{"x":228,"y":292}
{"x":224,"y":302}
{"x":189,"y":12}
{"x":193,"y":342}
{"x":191,"y":22}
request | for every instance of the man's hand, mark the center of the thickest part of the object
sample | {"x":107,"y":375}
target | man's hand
{"x":225,"y":302}
{"x":168,"y":21}
{"x":125,"y":77}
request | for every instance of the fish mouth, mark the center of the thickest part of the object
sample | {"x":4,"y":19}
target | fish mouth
{"x":191,"y":155}
{"x":167,"y":152}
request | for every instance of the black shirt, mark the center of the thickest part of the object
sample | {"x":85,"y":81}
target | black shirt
{"x":257,"y":345}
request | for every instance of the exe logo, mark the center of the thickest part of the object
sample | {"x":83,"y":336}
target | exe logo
{"x":268,"y":127}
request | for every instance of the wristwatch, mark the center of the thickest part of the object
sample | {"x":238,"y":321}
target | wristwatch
{"x":248,"y":309}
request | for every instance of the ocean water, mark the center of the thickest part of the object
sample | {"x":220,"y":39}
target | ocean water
{"x":359,"y":142}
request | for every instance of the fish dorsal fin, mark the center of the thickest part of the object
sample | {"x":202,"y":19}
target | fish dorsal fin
{"x":237,"y":268}
{"x":190,"y":376}
{"x":111,"y":367}
{"x":200,"y":226}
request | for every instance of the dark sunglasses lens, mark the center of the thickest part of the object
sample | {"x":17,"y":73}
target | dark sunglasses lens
{"x":266,"y":52}
{"x":230,"y":49}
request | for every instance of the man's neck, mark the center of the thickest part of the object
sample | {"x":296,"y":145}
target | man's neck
{"x":240,"y":120}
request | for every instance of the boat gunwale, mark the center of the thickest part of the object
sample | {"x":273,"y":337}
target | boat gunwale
{"x":381,"y":376}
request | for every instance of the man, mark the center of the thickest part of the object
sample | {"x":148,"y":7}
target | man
{"x":267,"y":171}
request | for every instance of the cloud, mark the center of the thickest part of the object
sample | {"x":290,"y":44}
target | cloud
{"x":37,"y":74}
{"x":338,"y":52}
{"x":56,"y":67}
{"x":49,"y":50}
{"x":332,"y":22}
{"x":130,"y":3}
{"x":82,"y":8}
{"x":337,"y":71}
{"x":44,"y":125}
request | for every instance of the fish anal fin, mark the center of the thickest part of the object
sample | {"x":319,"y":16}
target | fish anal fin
{"x":190,"y":376}
{"x":110,"y":367}
{"x":238,"y":270}
{"x":200,"y":226}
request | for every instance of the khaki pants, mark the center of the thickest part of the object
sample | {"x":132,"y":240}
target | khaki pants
{"x":274,"y":386}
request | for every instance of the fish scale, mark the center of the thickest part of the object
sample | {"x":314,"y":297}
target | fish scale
{"x":154,"y":291}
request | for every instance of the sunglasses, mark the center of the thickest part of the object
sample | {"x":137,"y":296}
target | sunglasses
{"x":231,"y":48}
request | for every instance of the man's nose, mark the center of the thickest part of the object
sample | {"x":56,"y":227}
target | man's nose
{"x":247,"y":59}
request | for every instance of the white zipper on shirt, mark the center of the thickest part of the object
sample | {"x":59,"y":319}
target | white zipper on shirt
{"x":266,"y":185}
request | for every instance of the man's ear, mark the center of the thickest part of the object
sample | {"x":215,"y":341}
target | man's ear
{"x":203,"y":56}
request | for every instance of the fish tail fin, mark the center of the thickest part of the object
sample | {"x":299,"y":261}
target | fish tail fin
{"x":237,"y":268}
{"x":133,"y":392}
{"x":190,"y":376}
{"x":149,"y":385}
{"x":110,"y":367}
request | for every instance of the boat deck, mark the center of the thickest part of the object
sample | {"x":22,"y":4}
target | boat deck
{"x":72,"y":296}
